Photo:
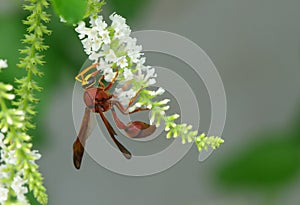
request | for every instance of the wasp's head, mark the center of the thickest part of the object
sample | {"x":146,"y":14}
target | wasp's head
{"x":89,"y":80}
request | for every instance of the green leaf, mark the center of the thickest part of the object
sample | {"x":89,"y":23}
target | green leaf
{"x":72,"y":11}
{"x":271,"y":162}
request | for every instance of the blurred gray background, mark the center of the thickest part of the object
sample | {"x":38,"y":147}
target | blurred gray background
{"x":255,"y":46}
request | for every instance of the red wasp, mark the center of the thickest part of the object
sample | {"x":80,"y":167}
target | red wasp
{"x":98,"y":99}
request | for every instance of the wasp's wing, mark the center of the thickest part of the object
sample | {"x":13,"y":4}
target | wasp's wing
{"x":78,"y":146}
{"x":112,"y":134}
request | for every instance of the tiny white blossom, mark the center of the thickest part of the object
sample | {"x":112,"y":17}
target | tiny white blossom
{"x":111,"y":57}
{"x":160,"y":91}
{"x":93,"y":34}
{"x":152,"y":117}
{"x":103,"y":65}
{"x":87,"y":45}
{"x":94,"y":56}
{"x":9,"y":96}
{"x":97,"y":45}
{"x":9,"y":120}
{"x":19,"y":189}
{"x":11,"y":157}
{"x":165,"y":101}
{"x":82,"y":30}
{"x":3,"y":63}
{"x":134,"y":56}
{"x":138,"y":104}
{"x":117,"y":20}
{"x":3,"y":195}
{"x":4,"y":129}
{"x":3,"y":173}
{"x":151,"y":81}
{"x":3,"y":154}
{"x":9,"y":87}
{"x":105,"y":37}
{"x":165,"y":107}
{"x":100,"y":24}
{"x":109,"y":74}
{"x":36,"y":154}
{"x":150,"y":73}
{"x":128,"y":75}
{"x":122,"y":62}
{"x":1,"y":140}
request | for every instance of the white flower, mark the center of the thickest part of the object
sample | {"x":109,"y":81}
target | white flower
{"x":103,"y":65}
{"x":134,"y":56}
{"x":36,"y":155}
{"x":87,"y":45}
{"x":82,"y":30}
{"x":11,"y":157}
{"x":99,"y":24}
{"x":130,"y":43}
{"x":108,"y":74}
{"x":3,"y":195}
{"x":93,"y":34}
{"x":160,"y":91}
{"x":94,"y":56}
{"x":97,"y":45}
{"x":3,"y":174}
{"x":19,"y":189}
{"x":165,"y":101}
{"x":4,"y":129}
{"x":3,"y":63}
{"x":122,"y":33}
{"x":122,"y":62}
{"x":128,"y":75}
{"x":1,"y":140}
{"x":111,"y":57}
{"x":151,"y":81}
{"x":105,"y":37}
{"x":117,"y":20}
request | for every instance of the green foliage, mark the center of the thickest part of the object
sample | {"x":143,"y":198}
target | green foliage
{"x":128,"y":9}
{"x":268,"y":163}
{"x":71,"y":11}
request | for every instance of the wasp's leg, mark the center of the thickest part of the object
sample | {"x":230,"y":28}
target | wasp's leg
{"x":112,"y":82}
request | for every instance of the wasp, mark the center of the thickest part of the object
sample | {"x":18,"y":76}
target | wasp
{"x":98,"y":99}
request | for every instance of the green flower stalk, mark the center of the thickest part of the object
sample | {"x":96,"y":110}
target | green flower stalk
{"x":33,"y":58}
{"x":17,"y":161}
{"x":94,"y":7}
{"x":158,"y":114}
{"x":18,"y":166}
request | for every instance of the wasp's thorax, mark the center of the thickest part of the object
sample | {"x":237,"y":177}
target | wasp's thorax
{"x":97,"y":99}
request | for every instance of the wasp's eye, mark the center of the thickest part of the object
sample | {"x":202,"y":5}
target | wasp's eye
{"x":89,"y":82}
